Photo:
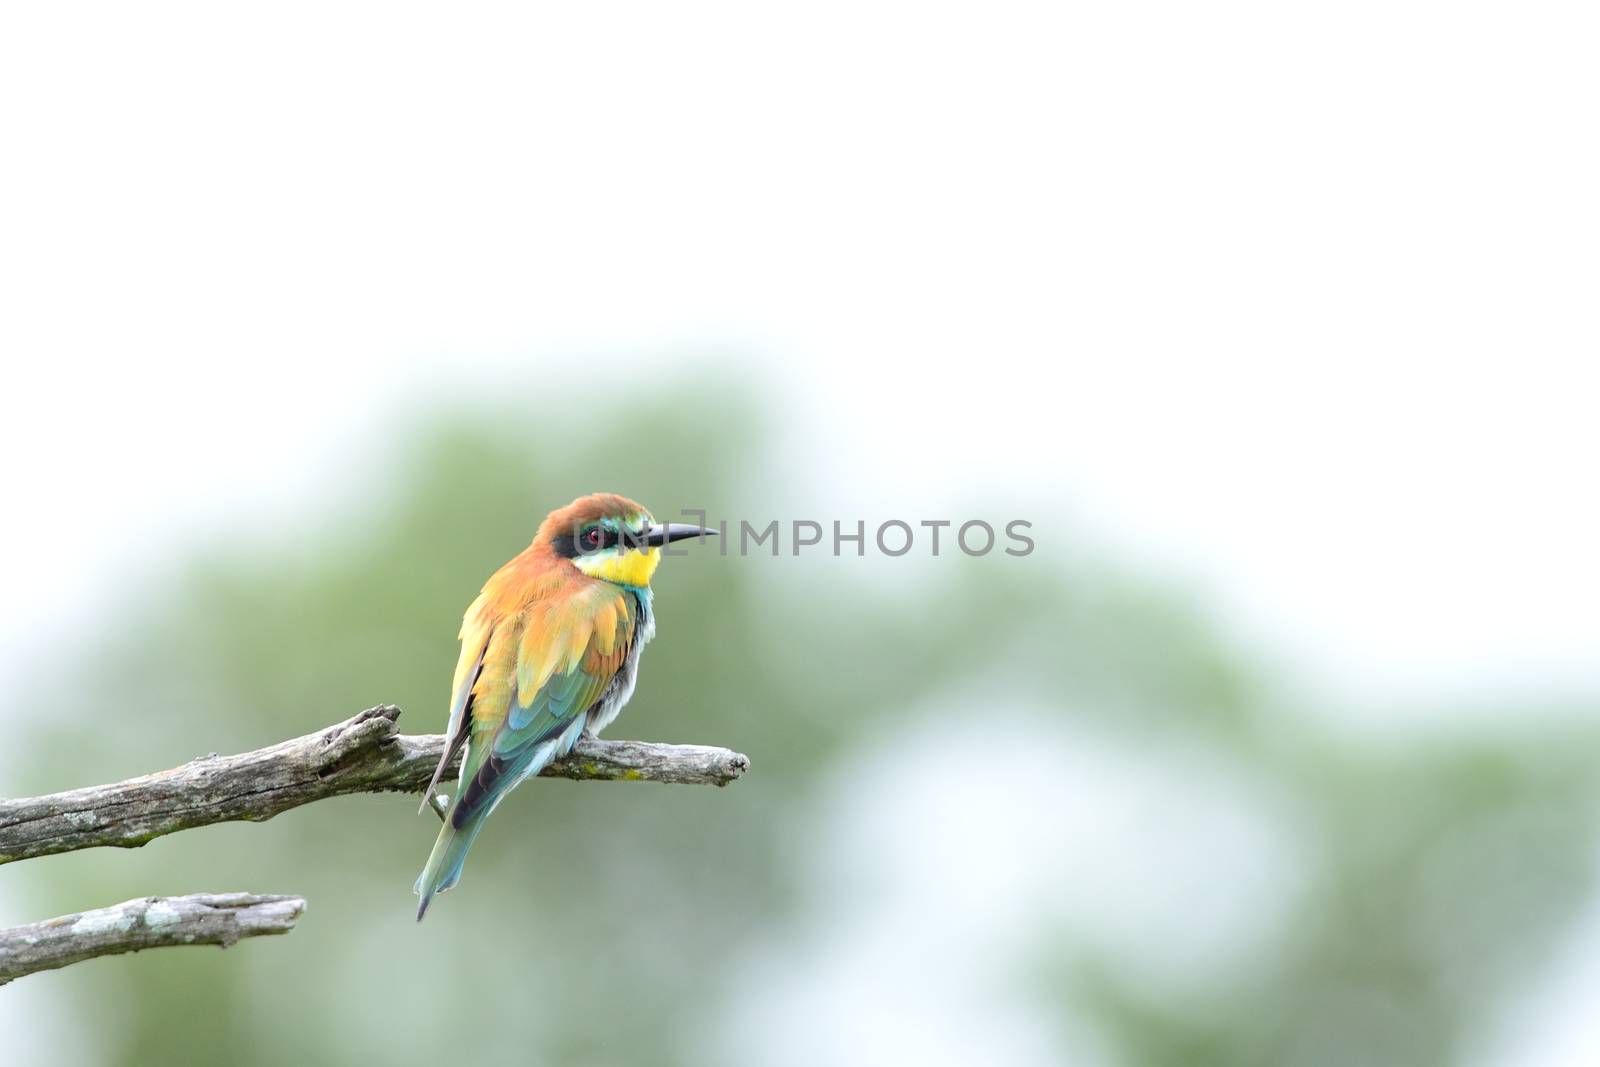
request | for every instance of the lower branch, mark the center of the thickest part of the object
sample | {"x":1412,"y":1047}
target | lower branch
{"x":149,"y":922}
{"x":364,"y":754}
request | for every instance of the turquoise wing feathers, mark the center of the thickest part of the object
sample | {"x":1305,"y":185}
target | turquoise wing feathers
{"x":531,"y":688}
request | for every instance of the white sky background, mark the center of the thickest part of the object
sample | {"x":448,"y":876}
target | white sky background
{"x":1299,"y":305}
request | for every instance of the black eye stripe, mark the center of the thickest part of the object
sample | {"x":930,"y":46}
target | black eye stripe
{"x":574,"y":543}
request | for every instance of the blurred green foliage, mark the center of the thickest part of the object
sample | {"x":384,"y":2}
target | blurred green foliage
{"x":595,"y":921}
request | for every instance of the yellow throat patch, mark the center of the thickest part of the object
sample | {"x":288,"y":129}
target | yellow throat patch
{"x":625,"y":568}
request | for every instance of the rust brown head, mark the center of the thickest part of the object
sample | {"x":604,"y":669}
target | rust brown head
{"x":610,"y":537}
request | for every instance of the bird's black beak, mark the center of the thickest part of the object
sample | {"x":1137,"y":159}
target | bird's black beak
{"x":669,"y":532}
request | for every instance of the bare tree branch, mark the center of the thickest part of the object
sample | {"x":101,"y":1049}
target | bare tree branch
{"x":363,"y":754}
{"x":149,"y":922}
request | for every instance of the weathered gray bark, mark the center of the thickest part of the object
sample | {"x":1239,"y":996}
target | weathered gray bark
{"x":363,"y":754}
{"x":149,"y":922}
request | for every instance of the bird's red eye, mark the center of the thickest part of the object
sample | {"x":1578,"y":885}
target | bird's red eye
{"x":591,"y":538}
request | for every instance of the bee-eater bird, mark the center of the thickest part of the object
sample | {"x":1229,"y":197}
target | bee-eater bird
{"x":549,"y":651}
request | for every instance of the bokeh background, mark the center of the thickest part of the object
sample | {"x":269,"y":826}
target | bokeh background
{"x":1283,"y":746}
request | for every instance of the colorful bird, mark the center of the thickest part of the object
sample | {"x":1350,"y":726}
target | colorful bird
{"x":549,"y":652}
